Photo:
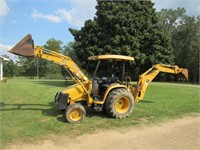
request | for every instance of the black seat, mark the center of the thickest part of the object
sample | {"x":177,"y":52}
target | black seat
{"x":114,"y":80}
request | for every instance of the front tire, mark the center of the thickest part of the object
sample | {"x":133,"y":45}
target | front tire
{"x":119,"y":103}
{"x":75,"y":113}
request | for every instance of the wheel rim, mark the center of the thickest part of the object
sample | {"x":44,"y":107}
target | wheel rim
{"x":76,"y":115}
{"x":122,"y":105}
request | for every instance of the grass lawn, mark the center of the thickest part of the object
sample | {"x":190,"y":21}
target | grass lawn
{"x":28,"y":112}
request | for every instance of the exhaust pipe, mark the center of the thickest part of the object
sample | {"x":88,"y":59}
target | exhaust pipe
{"x":25,"y":47}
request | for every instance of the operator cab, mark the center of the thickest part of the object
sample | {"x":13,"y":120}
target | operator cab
{"x":110,"y":72}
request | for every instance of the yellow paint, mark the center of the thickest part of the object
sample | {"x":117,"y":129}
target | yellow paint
{"x":110,"y":88}
{"x":146,"y":78}
{"x":111,"y":57}
{"x":122,"y":105}
{"x":60,"y":59}
{"x":82,"y":90}
{"x":76,"y":115}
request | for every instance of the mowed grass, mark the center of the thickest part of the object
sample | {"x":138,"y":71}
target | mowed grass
{"x":28,"y":111}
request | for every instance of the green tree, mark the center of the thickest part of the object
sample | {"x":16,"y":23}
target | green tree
{"x":29,"y":66}
{"x":183,"y":32}
{"x":47,"y":68}
{"x":9,"y":68}
{"x":54,"y":45}
{"x":43,"y":68}
{"x":127,"y":28}
{"x":68,"y":50}
{"x":169,"y":19}
{"x":186,"y":44}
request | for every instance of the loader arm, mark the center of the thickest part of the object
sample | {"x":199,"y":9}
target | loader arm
{"x":61,"y":59}
{"x":27,"y":48}
{"x":146,"y":78}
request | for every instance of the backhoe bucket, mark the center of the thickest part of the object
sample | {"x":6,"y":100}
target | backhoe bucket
{"x":25,"y":47}
{"x":183,"y":74}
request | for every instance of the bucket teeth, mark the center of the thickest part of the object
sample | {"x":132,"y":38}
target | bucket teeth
{"x":25,"y":47}
{"x":183,"y":74}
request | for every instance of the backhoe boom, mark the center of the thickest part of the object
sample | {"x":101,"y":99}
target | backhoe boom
{"x":146,"y":78}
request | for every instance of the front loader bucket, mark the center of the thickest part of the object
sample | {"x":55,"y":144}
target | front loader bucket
{"x":183,"y":74}
{"x":25,"y":47}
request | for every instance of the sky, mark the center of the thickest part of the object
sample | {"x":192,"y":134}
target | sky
{"x":46,"y":19}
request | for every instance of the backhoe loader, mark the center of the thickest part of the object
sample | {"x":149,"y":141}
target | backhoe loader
{"x":116,"y":96}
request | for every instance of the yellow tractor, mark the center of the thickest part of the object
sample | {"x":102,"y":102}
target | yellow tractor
{"x":115,"y":96}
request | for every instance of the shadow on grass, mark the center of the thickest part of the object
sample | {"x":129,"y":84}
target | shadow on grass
{"x":49,"y":109}
{"x":146,"y":101}
{"x":56,"y":83}
{"x":52,"y":110}
{"x":91,"y":113}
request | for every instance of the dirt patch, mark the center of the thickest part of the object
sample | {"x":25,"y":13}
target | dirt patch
{"x":178,"y":134}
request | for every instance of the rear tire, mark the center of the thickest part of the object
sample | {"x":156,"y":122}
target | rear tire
{"x":119,"y":103}
{"x":75,"y":113}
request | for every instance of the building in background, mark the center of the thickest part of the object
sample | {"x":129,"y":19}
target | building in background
{"x":1,"y":66}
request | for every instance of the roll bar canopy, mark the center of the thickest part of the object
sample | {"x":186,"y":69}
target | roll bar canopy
{"x":111,"y":57}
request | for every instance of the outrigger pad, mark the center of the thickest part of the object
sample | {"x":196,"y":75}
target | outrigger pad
{"x":25,"y":47}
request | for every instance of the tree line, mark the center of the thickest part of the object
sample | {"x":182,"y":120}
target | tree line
{"x":130,"y":28}
{"x":36,"y":67}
